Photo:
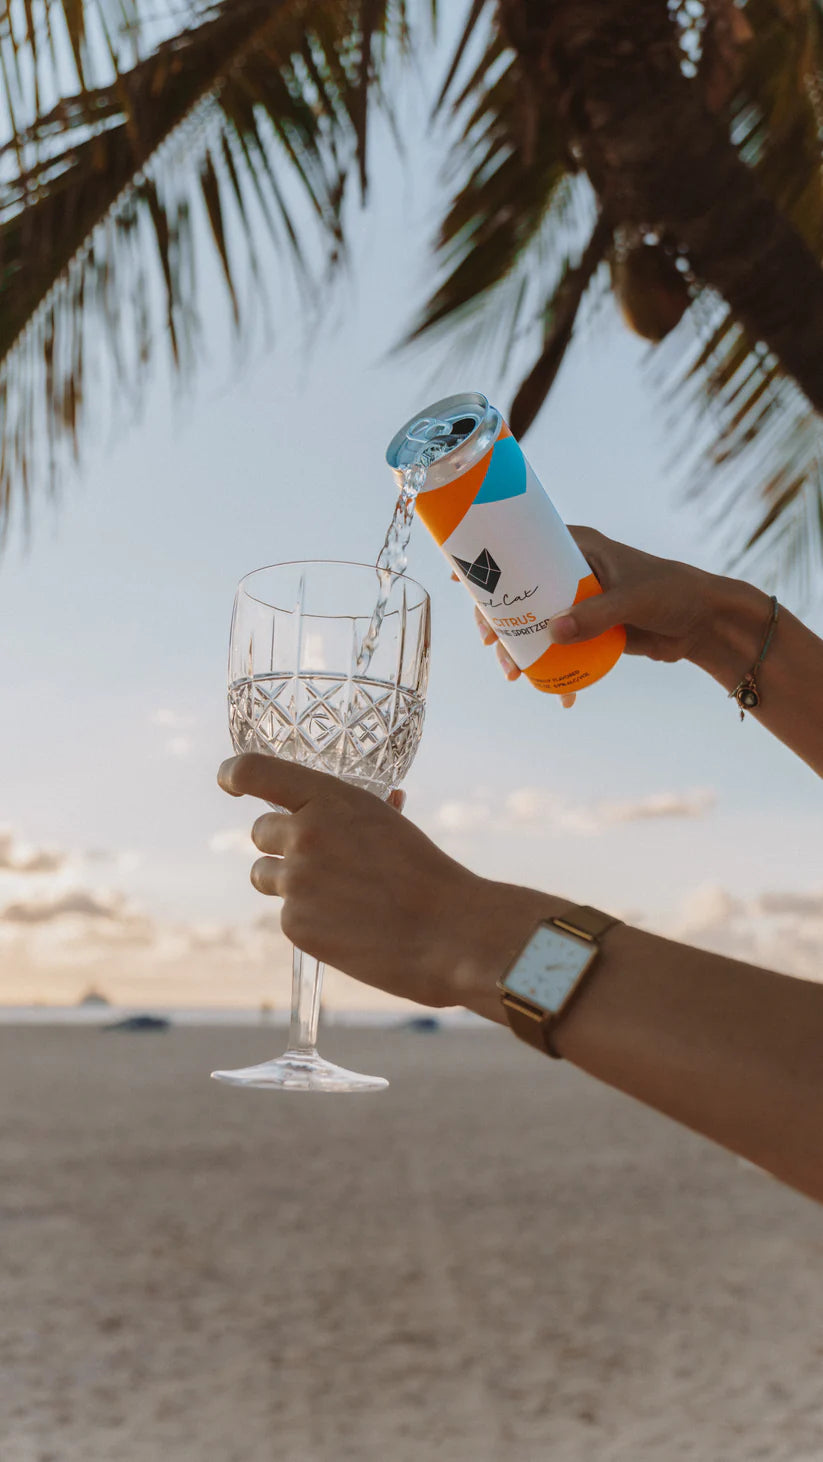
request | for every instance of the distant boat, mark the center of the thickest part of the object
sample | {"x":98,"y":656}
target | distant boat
{"x":139,"y":1023}
{"x":93,"y":997}
{"x":423,"y":1023}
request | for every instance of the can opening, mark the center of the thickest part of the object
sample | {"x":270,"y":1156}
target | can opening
{"x":459,"y":425}
{"x":436,"y":437}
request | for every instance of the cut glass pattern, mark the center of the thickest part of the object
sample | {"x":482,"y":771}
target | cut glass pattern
{"x":365,"y":731}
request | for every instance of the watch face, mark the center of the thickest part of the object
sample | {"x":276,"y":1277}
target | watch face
{"x":549,"y":967}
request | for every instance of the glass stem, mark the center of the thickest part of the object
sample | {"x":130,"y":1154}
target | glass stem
{"x":306,"y":986}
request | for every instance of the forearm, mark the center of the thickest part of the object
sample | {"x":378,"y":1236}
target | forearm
{"x":730,"y":1050}
{"x":791,"y":678}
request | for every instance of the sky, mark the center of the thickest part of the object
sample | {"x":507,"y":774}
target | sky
{"x":122,"y":865}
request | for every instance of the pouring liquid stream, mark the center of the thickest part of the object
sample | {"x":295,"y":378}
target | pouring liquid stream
{"x":392,"y":558}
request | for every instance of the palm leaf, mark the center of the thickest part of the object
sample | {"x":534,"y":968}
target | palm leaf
{"x":513,"y":228}
{"x":226,"y":116}
{"x":48,"y":46}
{"x":758,"y":468}
{"x":560,"y":324}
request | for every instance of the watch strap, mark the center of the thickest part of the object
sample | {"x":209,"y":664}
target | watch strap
{"x":529,"y":1025}
{"x":536,"y":1026}
{"x":583,"y":920}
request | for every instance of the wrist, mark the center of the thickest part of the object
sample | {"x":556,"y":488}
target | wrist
{"x":494,"y":924}
{"x":735,"y":616}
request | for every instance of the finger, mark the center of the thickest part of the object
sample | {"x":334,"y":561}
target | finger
{"x":266,"y":875}
{"x":510,"y":669}
{"x":588,"y":539}
{"x":275,"y":779}
{"x":567,"y":701}
{"x":595,"y":548}
{"x":592,"y":617}
{"x":272,"y":833}
{"x":487,"y":634}
{"x":397,"y":799}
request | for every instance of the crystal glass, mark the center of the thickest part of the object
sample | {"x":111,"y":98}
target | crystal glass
{"x":298,"y":688}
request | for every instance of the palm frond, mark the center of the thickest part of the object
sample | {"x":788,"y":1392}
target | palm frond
{"x":748,"y":446}
{"x":505,"y":242}
{"x":560,"y":322}
{"x":255,"y":109}
{"x":50,"y":46}
{"x":758,"y":470}
{"x":466,"y":37}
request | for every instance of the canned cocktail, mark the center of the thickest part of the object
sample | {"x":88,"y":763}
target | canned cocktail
{"x":482,"y":502}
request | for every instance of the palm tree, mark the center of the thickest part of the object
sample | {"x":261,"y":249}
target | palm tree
{"x":667,"y":150}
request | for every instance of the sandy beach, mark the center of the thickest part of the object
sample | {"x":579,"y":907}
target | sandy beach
{"x":494,"y":1261}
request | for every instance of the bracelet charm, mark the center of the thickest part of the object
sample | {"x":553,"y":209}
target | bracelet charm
{"x":747,"y":693}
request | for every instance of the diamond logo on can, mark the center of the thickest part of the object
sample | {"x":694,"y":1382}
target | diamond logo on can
{"x":484,"y":572}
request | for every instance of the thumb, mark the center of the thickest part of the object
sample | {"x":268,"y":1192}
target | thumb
{"x":591,"y":617}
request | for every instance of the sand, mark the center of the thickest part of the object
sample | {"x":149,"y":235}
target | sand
{"x":494,"y":1261}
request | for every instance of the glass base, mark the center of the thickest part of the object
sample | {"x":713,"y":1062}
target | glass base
{"x":300,"y":1071}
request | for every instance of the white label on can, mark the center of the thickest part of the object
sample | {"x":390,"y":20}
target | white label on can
{"x":516,"y":556}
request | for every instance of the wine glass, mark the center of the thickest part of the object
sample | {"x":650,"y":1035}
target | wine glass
{"x":300,"y":687}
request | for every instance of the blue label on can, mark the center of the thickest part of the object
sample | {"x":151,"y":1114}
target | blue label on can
{"x":506,"y":475}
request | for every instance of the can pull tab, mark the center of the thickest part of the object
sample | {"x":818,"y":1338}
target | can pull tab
{"x":428,"y":428}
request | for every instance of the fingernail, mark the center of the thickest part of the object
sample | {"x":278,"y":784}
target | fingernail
{"x":567,"y":701}
{"x":511,"y":669}
{"x":562,"y":628}
{"x":485,"y":630}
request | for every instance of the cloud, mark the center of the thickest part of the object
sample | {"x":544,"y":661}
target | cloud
{"x":16,"y":857}
{"x":82,"y":901}
{"x":800,"y":905}
{"x":126,"y":861}
{"x":217,"y":937}
{"x":533,"y":808}
{"x":232,"y":840}
{"x":661,"y":804}
{"x":21,"y":858}
{"x":180,"y":744}
{"x":527,"y":807}
{"x":709,"y":910}
{"x":169,"y":720}
{"x":461,"y":817}
{"x":530,"y":804}
{"x":778,"y":929}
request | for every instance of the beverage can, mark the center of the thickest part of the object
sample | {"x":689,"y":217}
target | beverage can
{"x":484,"y":505}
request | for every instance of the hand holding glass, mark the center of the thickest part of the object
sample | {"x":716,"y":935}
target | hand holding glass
{"x":296,"y":690}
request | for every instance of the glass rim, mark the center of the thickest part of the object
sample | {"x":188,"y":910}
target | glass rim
{"x":291,"y":563}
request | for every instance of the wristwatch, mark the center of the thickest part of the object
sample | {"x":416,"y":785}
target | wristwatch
{"x":541,"y":984}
